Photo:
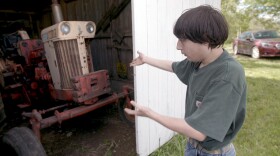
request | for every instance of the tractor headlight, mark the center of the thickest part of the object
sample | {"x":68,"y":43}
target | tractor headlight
{"x":65,"y":28}
{"x":90,"y":28}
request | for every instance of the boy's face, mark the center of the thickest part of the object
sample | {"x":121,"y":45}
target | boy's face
{"x":194,"y":52}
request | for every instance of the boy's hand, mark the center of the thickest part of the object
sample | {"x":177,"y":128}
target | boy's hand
{"x":139,"y":60}
{"x":139,"y":110}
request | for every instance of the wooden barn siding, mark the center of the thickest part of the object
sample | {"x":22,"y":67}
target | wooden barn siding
{"x":102,"y":46}
{"x":153,"y":22}
{"x":159,"y":90}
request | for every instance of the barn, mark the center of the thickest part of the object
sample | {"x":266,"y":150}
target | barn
{"x":122,"y":27}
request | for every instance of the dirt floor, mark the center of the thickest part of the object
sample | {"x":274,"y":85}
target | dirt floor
{"x":99,"y":133}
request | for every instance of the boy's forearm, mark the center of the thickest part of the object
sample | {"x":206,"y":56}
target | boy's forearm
{"x":161,"y":64}
{"x":178,"y":125}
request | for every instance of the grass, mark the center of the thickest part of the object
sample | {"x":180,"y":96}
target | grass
{"x":260,"y":133}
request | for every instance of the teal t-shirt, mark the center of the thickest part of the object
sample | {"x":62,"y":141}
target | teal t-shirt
{"x":216,"y":98}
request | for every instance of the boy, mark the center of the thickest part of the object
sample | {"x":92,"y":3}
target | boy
{"x":216,"y":92}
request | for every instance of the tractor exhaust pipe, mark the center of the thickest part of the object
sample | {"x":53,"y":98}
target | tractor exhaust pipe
{"x":57,"y":13}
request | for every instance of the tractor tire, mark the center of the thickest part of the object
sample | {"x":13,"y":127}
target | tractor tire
{"x":122,"y":104}
{"x":21,"y":141}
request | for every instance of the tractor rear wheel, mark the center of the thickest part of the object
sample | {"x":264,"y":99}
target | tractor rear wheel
{"x":21,"y":141}
{"x":125,"y":103}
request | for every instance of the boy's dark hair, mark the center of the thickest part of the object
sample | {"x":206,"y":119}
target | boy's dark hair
{"x":202,"y":24}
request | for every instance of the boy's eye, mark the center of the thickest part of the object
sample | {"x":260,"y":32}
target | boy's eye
{"x":181,"y":39}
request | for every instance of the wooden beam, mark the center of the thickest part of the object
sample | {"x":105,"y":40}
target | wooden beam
{"x":111,"y":14}
{"x":17,"y":12}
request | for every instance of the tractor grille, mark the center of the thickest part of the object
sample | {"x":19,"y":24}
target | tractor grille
{"x":68,"y":61}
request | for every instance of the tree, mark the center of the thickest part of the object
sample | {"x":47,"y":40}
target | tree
{"x":251,"y":15}
{"x":269,"y":8}
{"x":237,"y":18}
{"x":266,"y":13}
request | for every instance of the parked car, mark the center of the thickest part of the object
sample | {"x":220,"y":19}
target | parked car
{"x":264,"y":43}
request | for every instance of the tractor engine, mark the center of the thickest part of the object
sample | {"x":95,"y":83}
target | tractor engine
{"x":70,"y":62}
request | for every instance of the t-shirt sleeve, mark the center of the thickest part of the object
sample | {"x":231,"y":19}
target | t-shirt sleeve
{"x":216,"y":110}
{"x":182,"y":70}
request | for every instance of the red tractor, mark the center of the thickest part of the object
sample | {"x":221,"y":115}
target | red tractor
{"x":52,"y":80}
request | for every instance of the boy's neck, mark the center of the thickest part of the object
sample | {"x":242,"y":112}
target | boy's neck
{"x":213,"y":55}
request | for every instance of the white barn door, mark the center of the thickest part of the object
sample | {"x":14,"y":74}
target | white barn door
{"x":153,"y":22}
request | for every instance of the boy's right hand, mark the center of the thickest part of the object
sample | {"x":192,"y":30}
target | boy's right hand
{"x":139,"y":60}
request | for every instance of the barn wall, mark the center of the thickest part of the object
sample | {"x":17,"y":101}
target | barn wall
{"x":112,"y":46}
{"x":153,"y":22}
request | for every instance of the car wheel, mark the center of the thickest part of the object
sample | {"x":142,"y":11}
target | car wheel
{"x":255,"y":52}
{"x":21,"y":141}
{"x":235,"y":50}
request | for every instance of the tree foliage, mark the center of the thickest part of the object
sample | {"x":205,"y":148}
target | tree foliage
{"x":265,"y":7}
{"x":251,"y":15}
{"x":238,"y":20}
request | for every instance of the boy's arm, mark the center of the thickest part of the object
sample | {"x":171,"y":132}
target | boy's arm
{"x":161,"y":64}
{"x":178,"y":125}
{"x":175,"y":124}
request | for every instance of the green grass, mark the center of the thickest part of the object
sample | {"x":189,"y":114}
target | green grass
{"x":260,"y":134}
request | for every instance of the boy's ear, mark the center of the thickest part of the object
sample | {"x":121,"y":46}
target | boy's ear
{"x":206,"y":44}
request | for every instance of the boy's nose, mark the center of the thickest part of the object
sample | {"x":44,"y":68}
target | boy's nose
{"x":179,"y":45}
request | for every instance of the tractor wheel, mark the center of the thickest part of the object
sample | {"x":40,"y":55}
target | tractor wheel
{"x":21,"y":141}
{"x":122,"y":104}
